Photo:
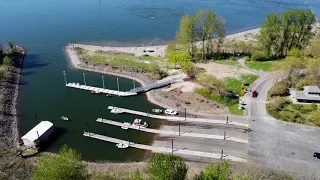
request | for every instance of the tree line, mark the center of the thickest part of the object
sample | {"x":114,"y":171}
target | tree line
{"x":282,"y":32}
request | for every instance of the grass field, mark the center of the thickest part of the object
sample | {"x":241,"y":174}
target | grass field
{"x":261,"y":66}
{"x":231,"y":103}
{"x":234,"y":85}
{"x":227,"y":62}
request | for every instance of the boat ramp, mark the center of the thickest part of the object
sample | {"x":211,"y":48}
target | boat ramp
{"x":174,"y":133}
{"x":166,"y":150}
{"x":175,"y":118}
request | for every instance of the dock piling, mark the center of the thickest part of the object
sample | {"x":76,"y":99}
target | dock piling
{"x":84,"y":79}
{"x":65,"y":78}
{"x":224,"y":135}
{"x":227,"y":120}
{"x":118,"y":84}
{"x":88,"y":127}
{"x":101,"y":113}
{"x":35,"y":115}
{"x":103,"y":82}
{"x":134,"y":85}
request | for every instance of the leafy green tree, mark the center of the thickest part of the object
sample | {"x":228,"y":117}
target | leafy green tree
{"x":166,"y":167}
{"x":64,"y":166}
{"x":179,"y":57}
{"x":7,"y":61}
{"x":219,"y":171}
{"x":204,"y":27}
{"x":221,"y":33}
{"x":171,"y":47}
{"x":185,"y":34}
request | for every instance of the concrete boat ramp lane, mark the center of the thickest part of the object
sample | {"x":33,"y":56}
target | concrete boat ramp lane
{"x":174,"y":118}
{"x":174,"y":133}
{"x":166,"y":150}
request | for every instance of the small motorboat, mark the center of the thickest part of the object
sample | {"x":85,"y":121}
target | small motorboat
{"x":122,"y":146}
{"x":138,"y":122}
{"x":95,"y":92}
{"x":157,"y":110}
{"x":65,"y":118}
{"x":116,"y":111}
{"x":109,"y":95}
{"x":126,"y":125}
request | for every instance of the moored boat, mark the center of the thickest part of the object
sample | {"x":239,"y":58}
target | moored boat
{"x":116,"y":111}
{"x":138,"y":122}
{"x":95,"y":92}
{"x":157,"y":110}
{"x":122,"y":146}
{"x":126,"y":124}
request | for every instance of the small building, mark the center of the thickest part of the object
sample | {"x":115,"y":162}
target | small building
{"x":40,"y":133}
{"x":309,"y":94}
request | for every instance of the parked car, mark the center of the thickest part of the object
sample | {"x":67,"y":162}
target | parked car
{"x":255,"y":93}
{"x":148,"y":50}
{"x":170,"y":112}
{"x":316,"y":155}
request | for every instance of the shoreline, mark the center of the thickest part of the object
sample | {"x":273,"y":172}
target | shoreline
{"x":76,"y":63}
{"x":9,"y":93}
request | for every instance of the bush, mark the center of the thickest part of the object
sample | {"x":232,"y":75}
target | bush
{"x":275,"y":107}
{"x":260,"y":56}
{"x":303,"y":82}
{"x":279,"y":89}
{"x":314,"y":117}
{"x":314,"y":106}
{"x":232,"y":58}
{"x":168,"y":167}
{"x":220,"y":171}
{"x":294,"y":53}
{"x":248,"y":58}
{"x":65,"y":165}
{"x":7,"y":61}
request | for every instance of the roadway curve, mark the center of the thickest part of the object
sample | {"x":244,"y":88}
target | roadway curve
{"x":275,"y":144}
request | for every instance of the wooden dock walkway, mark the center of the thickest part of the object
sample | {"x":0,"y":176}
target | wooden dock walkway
{"x":174,"y":133}
{"x":174,"y":118}
{"x":102,"y":90}
{"x":155,"y":85}
{"x":166,"y":150}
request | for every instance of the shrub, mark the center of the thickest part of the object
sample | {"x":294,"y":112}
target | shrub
{"x":260,"y":56}
{"x":275,"y":107}
{"x":7,"y":61}
{"x":314,"y":117}
{"x":279,"y":89}
{"x":303,"y":82}
{"x":313,"y":106}
{"x":220,"y":171}
{"x":296,"y":106}
{"x":167,"y":167}
{"x":248,"y":58}
{"x":294,"y":53}
{"x":305,"y":109}
{"x":232,"y":58}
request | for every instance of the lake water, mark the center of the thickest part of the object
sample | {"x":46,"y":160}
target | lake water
{"x":45,"y":27}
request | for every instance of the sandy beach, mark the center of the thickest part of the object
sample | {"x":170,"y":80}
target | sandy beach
{"x":153,"y":96}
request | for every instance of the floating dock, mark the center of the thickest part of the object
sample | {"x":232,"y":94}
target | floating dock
{"x":166,"y":150}
{"x":101,"y":90}
{"x":174,"y":133}
{"x":174,"y":118}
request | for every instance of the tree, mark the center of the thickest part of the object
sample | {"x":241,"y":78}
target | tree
{"x":179,"y":57}
{"x":185,"y":35}
{"x":220,"y":22}
{"x":171,"y":47}
{"x":204,"y":27}
{"x":219,"y":171}
{"x":189,"y":69}
{"x":313,"y":69}
{"x":64,"y":166}
{"x":7,"y":61}
{"x":166,"y":167}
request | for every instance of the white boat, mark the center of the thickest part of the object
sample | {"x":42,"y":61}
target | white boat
{"x":157,"y":110}
{"x":65,"y":118}
{"x":116,"y":111}
{"x":138,"y":122}
{"x":126,"y":125}
{"x":122,"y":146}
{"x":170,"y":112}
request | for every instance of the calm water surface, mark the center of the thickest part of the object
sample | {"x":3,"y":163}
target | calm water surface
{"x":45,"y":27}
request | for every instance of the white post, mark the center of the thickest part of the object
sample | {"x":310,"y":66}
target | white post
{"x":84,"y":79}
{"x":65,"y":79}
{"x":118,"y":85}
{"x":134,"y":85}
{"x":103,"y":82}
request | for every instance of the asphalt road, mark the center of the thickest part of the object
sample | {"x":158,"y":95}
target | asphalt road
{"x":279,"y":145}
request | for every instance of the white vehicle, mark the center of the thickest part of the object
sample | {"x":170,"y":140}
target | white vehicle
{"x":122,"y":146}
{"x":116,"y":111}
{"x":170,"y":112}
{"x":157,"y":110}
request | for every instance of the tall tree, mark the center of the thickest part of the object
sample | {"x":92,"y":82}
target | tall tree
{"x":204,"y":27}
{"x":220,"y":22}
{"x":185,"y":35}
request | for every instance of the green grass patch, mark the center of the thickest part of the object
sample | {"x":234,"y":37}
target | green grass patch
{"x":231,"y":103}
{"x":236,"y":85}
{"x":261,"y":66}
